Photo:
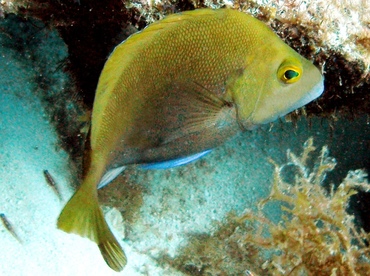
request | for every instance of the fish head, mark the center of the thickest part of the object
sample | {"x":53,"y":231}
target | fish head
{"x":273,"y":85}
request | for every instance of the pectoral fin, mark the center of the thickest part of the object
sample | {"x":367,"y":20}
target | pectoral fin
{"x":191,"y":108}
{"x":183,"y":109}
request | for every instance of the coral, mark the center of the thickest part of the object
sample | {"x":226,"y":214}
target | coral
{"x":314,"y":236}
{"x":9,"y":6}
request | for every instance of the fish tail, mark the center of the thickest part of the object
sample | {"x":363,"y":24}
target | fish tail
{"x":83,"y":216}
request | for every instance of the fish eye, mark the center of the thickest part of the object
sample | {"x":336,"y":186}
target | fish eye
{"x":289,"y":74}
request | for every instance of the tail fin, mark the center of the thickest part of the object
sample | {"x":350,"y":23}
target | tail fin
{"x":83,"y":216}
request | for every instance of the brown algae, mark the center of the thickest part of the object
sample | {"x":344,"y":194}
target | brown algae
{"x":315,"y":234}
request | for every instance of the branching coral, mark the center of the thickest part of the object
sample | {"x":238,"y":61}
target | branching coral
{"x":315,"y":234}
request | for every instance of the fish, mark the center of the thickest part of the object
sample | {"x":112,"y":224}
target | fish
{"x":176,"y":90}
{"x":51,"y":182}
{"x":9,"y":227}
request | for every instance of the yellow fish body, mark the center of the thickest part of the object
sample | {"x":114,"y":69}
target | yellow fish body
{"x":182,"y":86}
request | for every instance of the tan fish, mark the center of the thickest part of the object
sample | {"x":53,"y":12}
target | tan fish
{"x":9,"y":227}
{"x":51,"y":182}
{"x":169,"y":94}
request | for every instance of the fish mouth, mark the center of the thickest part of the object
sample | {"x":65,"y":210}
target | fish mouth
{"x":315,"y":92}
{"x":249,"y":126}
{"x":244,"y":126}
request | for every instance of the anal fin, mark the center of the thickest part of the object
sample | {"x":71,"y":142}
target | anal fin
{"x":175,"y":162}
{"x":110,"y":175}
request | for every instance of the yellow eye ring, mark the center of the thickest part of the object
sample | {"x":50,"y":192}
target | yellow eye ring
{"x":289,"y":74}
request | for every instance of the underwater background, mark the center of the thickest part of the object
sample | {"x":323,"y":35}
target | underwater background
{"x":181,"y":221}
